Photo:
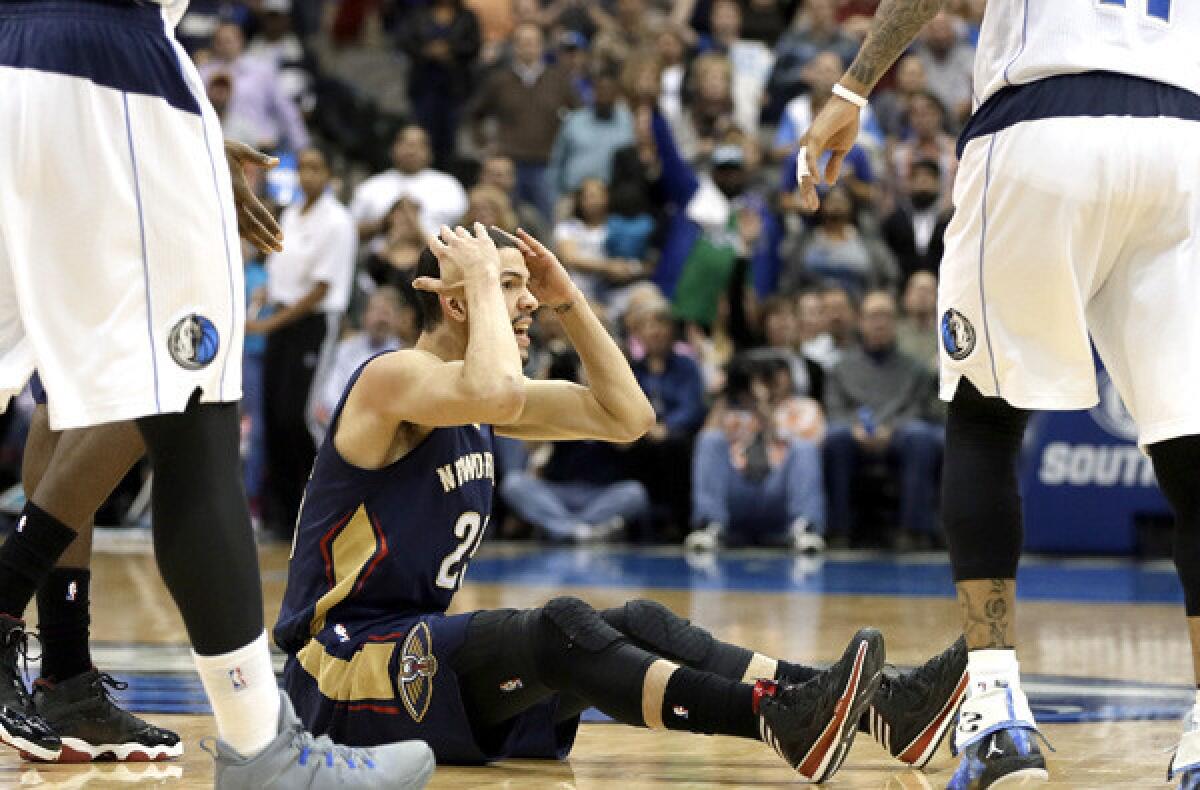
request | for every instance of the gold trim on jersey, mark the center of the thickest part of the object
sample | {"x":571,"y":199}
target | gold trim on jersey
{"x":365,"y":676}
{"x":352,"y":549}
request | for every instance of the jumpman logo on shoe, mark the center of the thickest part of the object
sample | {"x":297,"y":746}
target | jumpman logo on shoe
{"x":993,"y":749}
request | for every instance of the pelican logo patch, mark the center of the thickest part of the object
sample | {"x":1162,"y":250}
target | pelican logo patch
{"x":418,"y":665}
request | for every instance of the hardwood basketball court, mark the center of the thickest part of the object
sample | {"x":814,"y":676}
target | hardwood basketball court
{"x":1105,"y":658}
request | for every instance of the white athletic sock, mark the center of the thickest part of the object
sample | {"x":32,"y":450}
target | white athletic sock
{"x":991,"y":668}
{"x":244,"y":695}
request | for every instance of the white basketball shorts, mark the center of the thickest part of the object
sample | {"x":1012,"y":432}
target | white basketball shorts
{"x":1070,"y":228}
{"x":120,"y":267}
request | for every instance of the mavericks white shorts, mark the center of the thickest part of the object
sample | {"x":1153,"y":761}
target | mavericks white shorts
{"x":1067,"y":229}
{"x":120,"y":268}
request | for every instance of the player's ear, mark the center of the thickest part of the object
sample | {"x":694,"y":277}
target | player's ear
{"x":453,"y":308}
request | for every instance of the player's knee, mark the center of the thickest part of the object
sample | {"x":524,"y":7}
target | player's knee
{"x":568,"y":632}
{"x":666,"y":633}
{"x":574,"y":623}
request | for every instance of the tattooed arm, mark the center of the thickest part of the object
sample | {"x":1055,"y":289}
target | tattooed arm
{"x":835,"y":128}
{"x":896,"y":24}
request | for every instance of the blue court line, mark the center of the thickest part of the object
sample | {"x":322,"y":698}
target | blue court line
{"x":1113,"y":581}
{"x":1054,"y":698}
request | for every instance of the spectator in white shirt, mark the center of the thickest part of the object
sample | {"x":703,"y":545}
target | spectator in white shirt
{"x":440,"y":196}
{"x":308,"y":286}
{"x":387,"y":324}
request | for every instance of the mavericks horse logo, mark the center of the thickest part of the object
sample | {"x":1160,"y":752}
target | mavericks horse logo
{"x":418,"y":665}
{"x":958,"y":336}
{"x":193,"y":342}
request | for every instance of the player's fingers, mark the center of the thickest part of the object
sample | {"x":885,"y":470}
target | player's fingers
{"x":810,"y":201}
{"x":264,"y":225}
{"x":834,"y":168}
{"x":505,"y":234}
{"x":434,"y":285}
{"x":481,"y":233}
{"x":248,"y":232}
{"x":264,"y":216}
{"x":247,"y":154}
{"x":254,"y":228}
{"x":462,"y":233}
{"x":534,"y":244}
{"x":436,"y":245}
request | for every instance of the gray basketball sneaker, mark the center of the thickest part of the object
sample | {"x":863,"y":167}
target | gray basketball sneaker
{"x":297,"y":760}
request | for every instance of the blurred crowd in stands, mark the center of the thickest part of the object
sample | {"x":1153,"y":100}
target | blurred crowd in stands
{"x":791,"y":358}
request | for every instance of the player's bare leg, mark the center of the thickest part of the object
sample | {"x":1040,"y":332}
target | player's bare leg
{"x":72,"y":696}
{"x":68,"y":475}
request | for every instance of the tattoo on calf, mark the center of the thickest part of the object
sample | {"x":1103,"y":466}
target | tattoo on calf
{"x":986,"y":617}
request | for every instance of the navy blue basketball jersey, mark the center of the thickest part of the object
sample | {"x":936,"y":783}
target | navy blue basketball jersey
{"x":375,"y":545}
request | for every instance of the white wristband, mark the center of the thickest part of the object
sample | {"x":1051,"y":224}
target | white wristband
{"x":845,"y":93}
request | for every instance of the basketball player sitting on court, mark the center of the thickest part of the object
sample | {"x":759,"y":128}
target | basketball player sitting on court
{"x":399,"y":502}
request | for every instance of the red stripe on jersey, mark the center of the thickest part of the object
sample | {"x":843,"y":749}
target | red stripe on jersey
{"x":380,"y":553}
{"x":386,"y":709}
{"x":326,"y":541}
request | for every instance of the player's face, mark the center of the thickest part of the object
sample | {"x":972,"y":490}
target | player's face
{"x":514,"y":280}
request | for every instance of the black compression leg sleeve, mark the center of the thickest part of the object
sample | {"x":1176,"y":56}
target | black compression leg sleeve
{"x":568,"y":648}
{"x":202,"y":536}
{"x":656,"y":629}
{"x":1177,"y":465}
{"x":981,"y":505}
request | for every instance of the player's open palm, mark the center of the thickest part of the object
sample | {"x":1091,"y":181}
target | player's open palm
{"x":548,"y":279}
{"x":458,"y":253}
{"x":834,"y":130}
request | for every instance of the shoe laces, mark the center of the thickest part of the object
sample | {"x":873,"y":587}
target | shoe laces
{"x":326,"y":752}
{"x":104,"y":682}
{"x":16,"y":645}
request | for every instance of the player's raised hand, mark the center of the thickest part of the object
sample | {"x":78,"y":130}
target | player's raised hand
{"x":459,"y":254}
{"x":834,"y":130}
{"x":255,"y":223}
{"x":548,"y":279}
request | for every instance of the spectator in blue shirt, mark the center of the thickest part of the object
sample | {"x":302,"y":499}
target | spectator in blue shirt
{"x":589,"y":137}
{"x":674,"y":384}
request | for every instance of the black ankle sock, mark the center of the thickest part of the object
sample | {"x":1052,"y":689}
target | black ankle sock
{"x":703,"y":702}
{"x":795,"y":673}
{"x":28,"y":555}
{"x":63,"y":619}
